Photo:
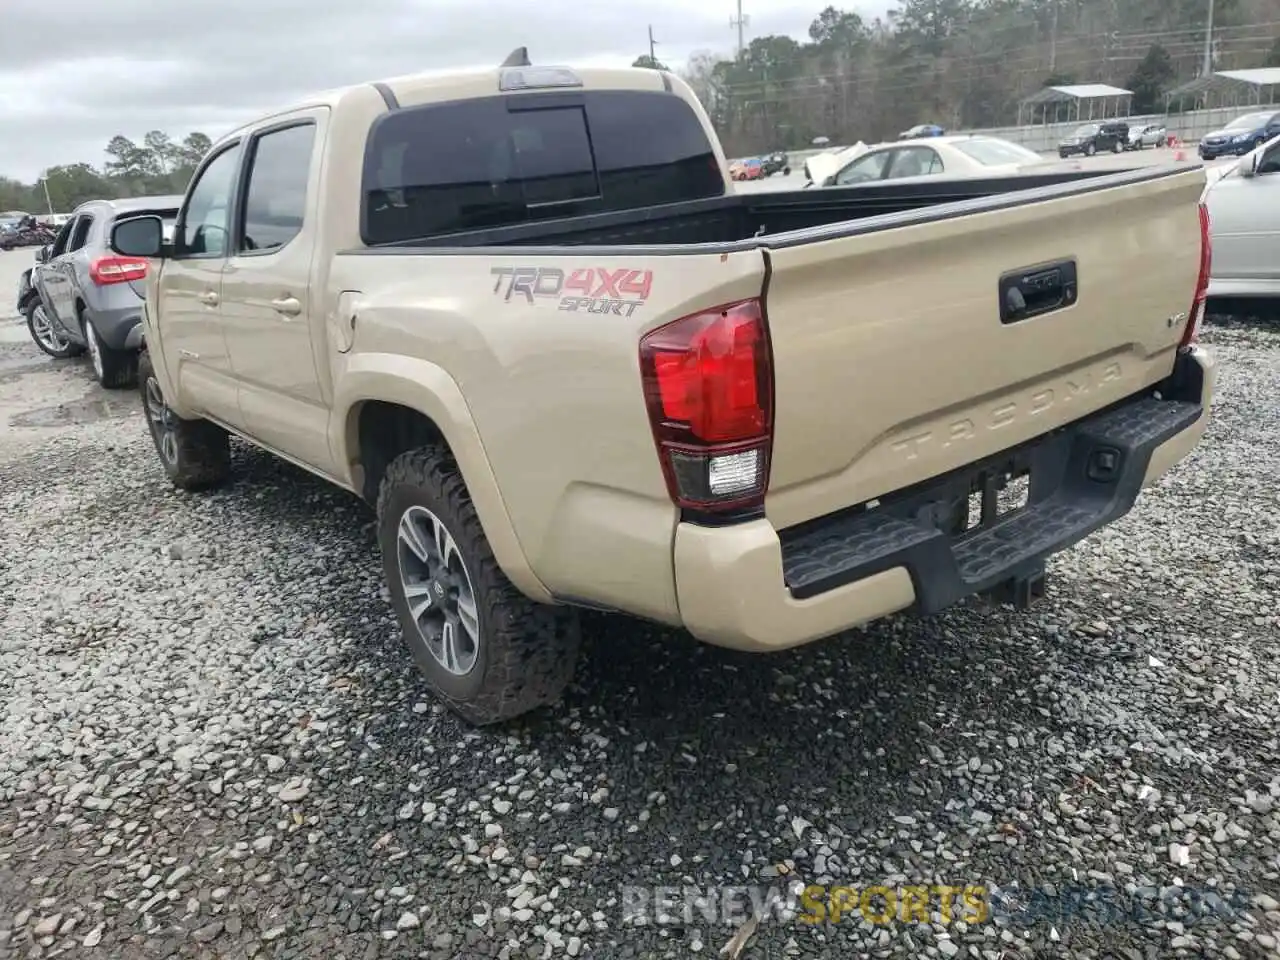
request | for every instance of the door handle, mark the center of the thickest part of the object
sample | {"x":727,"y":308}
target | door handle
{"x":1037,"y":290}
{"x":289,"y":306}
{"x":209,"y":298}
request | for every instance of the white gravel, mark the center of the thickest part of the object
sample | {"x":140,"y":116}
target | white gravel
{"x":211,"y":744}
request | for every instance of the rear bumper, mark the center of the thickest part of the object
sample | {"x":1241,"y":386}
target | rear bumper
{"x":749,"y":587}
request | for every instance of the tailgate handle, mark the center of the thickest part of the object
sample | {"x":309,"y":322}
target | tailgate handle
{"x":1036,"y":290}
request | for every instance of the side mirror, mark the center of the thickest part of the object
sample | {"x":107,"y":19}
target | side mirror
{"x":42,"y":255}
{"x":829,"y":181}
{"x":138,"y":237}
{"x":1247,"y":166}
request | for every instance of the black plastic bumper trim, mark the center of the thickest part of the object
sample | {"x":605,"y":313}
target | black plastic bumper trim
{"x":1082,"y":477}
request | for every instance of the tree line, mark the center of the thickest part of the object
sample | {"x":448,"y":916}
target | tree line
{"x":155,"y":166}
{"x":960,"y":63}
{"x":964,"y":64}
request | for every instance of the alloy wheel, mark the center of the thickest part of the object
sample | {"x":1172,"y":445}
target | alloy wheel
{"x":95,"y":349}
{"x":437,"y":588}
{"x":44,"y":332}
{"x":162,"y":422}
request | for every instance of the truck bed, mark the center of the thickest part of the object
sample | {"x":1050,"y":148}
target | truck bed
{"x":914,"y":330}
{"x":743,"y":219}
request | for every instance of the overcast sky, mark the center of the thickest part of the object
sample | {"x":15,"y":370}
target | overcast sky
{"x":73,"y":73}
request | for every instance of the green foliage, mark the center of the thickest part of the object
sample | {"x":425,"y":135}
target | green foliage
{"x":960,"y":63}
{"x":649,"y":63}
{"x":838,"y":30}
{"x":1151,"y":78}
{"x":158,"y":165}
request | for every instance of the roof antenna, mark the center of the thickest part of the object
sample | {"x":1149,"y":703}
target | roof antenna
{"x":519,"y":57}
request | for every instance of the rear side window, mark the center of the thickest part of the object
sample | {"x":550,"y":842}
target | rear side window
{"x":276,"y":200}
{"x":498,"y":161}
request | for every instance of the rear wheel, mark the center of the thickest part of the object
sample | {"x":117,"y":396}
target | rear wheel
{"x":46,"y":337}
{"x":487,"y":650}
{"x":1090,"y":149}
{"x":195,"y":454}
{"x":1117,"y":147}
{"x":111,"y":368}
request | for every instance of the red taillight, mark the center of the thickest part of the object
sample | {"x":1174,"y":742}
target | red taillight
{"x":108,"y":270}
{"x":1192,"y":332}
{"x":708,"y":383}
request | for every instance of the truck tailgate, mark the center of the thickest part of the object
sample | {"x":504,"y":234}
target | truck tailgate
{"x":893,"y":359}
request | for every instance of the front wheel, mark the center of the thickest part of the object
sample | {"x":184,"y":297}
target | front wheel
{"x":195,"y":454}
{"x":1090,"y":150}
{"x":1117,"y":147}
{"x":46,"y":337}
{"x":487,"y":650}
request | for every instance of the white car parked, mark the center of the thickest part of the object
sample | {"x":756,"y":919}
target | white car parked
{"x":819,"y":167}
{"x":950,"y":156}
{"x":1244,"y":220}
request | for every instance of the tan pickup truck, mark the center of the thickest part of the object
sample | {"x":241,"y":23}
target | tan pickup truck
{"x":525,"y":314}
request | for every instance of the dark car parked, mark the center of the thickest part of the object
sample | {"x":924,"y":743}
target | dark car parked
{"x":1091,"y":138}
{"x":81,"y":296}
{"x":776,"y":163}
{"x":1240,"y":135}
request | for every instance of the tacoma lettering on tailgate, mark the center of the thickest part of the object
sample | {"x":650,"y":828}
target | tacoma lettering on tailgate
{"x":588,"y":290}
{"x":1010,"y":411}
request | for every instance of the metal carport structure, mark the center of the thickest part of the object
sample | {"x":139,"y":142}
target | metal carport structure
{"x":1078,"y":102}
{"x":1226,"y":89}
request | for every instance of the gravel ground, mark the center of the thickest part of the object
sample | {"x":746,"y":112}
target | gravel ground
{"x":213,"y":745}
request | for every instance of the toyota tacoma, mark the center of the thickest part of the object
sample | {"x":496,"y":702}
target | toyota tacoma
{"x":523,"y":314}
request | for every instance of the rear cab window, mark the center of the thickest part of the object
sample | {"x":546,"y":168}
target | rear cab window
{"x":512,"y":159}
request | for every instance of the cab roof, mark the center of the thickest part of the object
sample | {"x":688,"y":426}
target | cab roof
{"x":416,"y":89}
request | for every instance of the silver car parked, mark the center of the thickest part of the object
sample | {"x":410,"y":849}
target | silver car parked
{"x":1244,"y":221}
{"x":81,"y":296}
{"x":1147,"y":135}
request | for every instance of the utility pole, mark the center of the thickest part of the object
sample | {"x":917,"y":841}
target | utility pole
{"x":1053,"y":41}
{"x":1206,"y":67}
{"x":740,"y":22}
{"x":652,"y":45}
{"x":44,"y":182}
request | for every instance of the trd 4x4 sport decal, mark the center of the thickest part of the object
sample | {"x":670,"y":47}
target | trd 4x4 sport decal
{"x":587,"y":290}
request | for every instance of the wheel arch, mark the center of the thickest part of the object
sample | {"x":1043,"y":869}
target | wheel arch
{"x":32,"y":295}
{"x":387,"y":404}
